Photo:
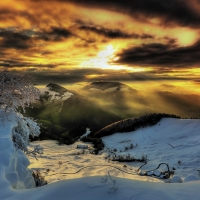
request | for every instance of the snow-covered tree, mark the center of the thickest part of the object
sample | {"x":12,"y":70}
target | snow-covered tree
{"x":16,"y":93}
{"x":26,"y":127}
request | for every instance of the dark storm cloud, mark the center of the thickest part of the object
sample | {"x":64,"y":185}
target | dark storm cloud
{"x":156,"y":54}
{"x":24,"y":64}
{"x":45,"y":77}
{"x":55,"y":34}
{"x":25,"y":39}
{"x":11,"y":39}
{"x":81,"y":75}
{"x":170,"y":41}
{"x":142,"y":76}
{"x":197,"y":81}
{"x":61,"y":32}
{"x":113,"y":34}
{"x":179,"y":11}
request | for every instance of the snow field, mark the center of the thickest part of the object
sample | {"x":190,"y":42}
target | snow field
{"x":73,"y":160}
{"x":173,"y":140}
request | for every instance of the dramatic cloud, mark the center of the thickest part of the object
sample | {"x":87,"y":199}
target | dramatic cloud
{"x":16,"y":40}
{"x":122,"y":40}
{"x":156,"y":54}
{"x":113,"y":33}
{"x":89,"y":75}
{"x":59,"y":33}
{"x":55,"y":34}
{"x":20,"y":39}
{"x":17,"y":63}
{"x":183,"y":12}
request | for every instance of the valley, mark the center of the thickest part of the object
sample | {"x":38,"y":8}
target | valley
{"x":65,"y":114}
{"x":171,"y":141}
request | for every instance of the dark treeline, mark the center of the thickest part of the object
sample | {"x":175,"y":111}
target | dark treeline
{"x":132,"y":124}
{"x":125,"y":125}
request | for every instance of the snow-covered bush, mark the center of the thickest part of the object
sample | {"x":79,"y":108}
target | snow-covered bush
{"x":39,"y":179}
{"x":17,"y":92}
{"x":128,"y":158}
{"x":21,"y":132}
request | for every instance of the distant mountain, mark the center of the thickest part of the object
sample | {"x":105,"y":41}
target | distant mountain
{"x":56,"y":88}
{"x":55,"y":92}
{"x":114,"y":96}
{"x":65,"y":115}
{"x":108,"y":87}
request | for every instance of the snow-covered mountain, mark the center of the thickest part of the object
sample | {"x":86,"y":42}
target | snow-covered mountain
{"x":55,"y":92}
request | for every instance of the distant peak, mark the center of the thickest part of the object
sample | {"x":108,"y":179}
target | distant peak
{"x":105,"y":85}
{"x":50,"y":85}
{"x":56,"y":88}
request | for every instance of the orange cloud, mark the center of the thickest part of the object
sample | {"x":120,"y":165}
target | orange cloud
{"x":61,"y":35}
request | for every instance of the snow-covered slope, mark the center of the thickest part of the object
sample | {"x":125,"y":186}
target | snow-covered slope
{"x":13,"y":164}
{"x":170,"y":141}
{"x":93,"y":188}
{"x":55,"y":95}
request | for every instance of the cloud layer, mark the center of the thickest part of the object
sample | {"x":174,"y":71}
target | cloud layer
{"x":76,"y":40}
{"x":184,"y":12}
{"x":159,"y":55}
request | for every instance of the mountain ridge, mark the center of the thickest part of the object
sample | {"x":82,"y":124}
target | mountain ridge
{"x":65,"y":116}
{"x":106,"y":85}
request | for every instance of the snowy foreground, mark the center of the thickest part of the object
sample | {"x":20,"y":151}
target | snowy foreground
{"x":173,"y":141}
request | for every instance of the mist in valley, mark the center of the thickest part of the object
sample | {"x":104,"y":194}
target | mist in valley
{"x":144,"y":98}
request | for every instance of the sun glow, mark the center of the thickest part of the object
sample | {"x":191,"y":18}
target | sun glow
{"x":186,"y":37}
{"x":104,"y":60}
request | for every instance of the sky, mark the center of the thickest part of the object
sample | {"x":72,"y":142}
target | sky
{"x":71,"y":41}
